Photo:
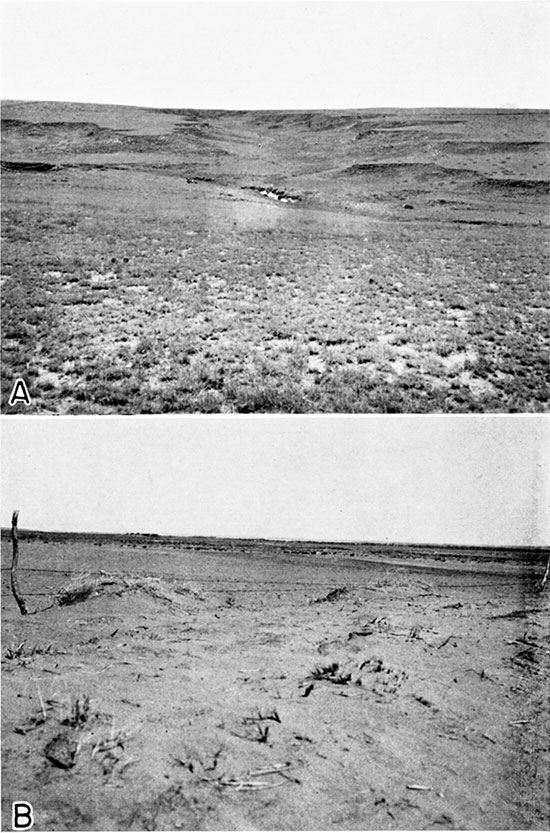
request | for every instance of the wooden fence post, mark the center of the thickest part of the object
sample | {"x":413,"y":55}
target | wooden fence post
{"x":544,"y":579}
{"x":14,"y":585}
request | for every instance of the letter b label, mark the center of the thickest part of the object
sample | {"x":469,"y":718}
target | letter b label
{"x":21,"y":815}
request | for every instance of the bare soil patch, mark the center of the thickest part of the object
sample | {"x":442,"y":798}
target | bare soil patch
{"x":257,"y":685}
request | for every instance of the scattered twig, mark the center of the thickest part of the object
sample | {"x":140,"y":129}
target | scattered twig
{"x":522,"y":641}
{"x":41,"y":700}
{"x":528,"y":654}
{"x":276,"y":768}
{"x":481,"y":674}
{"x":366,"y":631}
{"x":125,"y":765}
{"x":423,"y":701}
{"x":291,"y":778}
{"x":442,"y":645}
{"x":33,"y":723}
{"x":257,"y":719}
{"x":418,"y":787}
{"x":214,"y":760}
{"x":262,"y":734}
{"x":241,"y":785}
{"x":525,"y":666}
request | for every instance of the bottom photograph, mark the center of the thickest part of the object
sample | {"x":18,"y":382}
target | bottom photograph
{"x":275,"y":623}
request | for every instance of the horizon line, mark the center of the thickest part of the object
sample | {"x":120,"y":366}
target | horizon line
{"x":356,"y":542}
{"x":503,"y":107}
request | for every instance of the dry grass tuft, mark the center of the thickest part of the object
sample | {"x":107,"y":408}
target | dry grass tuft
{"x":86,"y":585}
{"x":109,"y":751}
{"x":331,"y":674}
{"x":14,"y":651}
{"x":78,"y":711}
{"x":151,"y":585}
{"x":333,"y":596}
{"x":78,"y":590}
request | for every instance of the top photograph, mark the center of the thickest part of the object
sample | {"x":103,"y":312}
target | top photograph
{"x":275,"y":207}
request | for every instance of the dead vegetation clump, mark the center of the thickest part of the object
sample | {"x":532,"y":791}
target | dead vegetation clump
{"x":249,"y":783}
{"x":212,"y":767}
{"x":78,"y":711}
{"x":149,"y":584}
{"x":78,"y":734}
{"x":372,"y":675}
{"x":15,"y":651}
{"x":331,"y":673}
{"x":72,"y":712}
{"x":63,"y":749}
{"x":19,"y":652}
{"x":109,"y":751}
{"x":78,"y":590}
{"x":86,"y":585}
{"x":333,"y":596}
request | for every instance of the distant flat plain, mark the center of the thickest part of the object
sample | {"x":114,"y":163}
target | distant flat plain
{"x":247,"y":685}
{"x":369,"y":261}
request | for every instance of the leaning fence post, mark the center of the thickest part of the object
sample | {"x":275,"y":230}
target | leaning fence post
{"x":544,"y":579}
{"x":14,"y":585}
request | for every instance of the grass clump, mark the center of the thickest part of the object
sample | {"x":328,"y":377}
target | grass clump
{"x":78,"y":711}
{"x":78,"y":590}
{"x":331,"y":673}
{"x":333,"y":596}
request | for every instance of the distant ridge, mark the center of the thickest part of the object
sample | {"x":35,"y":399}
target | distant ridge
{"x":182,"y":110}
{"x":206,"y":542}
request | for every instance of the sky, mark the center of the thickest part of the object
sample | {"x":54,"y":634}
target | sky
{"x":278,"y":54}
{"x":479,"y":480}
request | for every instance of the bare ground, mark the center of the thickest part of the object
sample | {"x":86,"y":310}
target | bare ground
{"x":265,"y":687}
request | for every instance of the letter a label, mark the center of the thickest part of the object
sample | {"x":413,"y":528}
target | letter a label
{"x":21,"y":815}
{"x":19,"y":394}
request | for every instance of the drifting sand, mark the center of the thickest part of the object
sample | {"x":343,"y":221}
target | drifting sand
{"x":259,"y":688}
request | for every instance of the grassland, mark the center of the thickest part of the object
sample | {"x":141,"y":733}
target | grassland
{"x":214,"y":262}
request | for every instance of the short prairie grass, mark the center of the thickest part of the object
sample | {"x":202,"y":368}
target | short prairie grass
{"x":111,"y":310}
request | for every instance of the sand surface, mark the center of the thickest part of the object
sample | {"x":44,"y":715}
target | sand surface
{"x":242,"y":688}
